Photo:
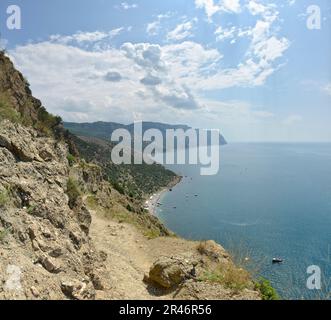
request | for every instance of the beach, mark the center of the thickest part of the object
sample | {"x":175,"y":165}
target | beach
{"x":153,"y":201}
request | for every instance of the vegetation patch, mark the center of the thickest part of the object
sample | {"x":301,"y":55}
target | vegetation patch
{"x":73,"y":192}
{"x":47,"y":122}
{"x":230,"y":277}
{"x":92,"y":202}
{"x":71,"y":159}
{"x":31,"y":209}
{"x":4,"y":198}
{"x":266,"y":290}
{"x":7,"y":111}
{"x":3,"y":235}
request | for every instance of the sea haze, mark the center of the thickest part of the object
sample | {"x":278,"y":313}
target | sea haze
{"x":268,"y":200}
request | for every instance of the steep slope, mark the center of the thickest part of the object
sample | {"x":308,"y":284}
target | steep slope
{"x":43,"y":240}
{"x":66,"y":233}
{"x":135,"y":181}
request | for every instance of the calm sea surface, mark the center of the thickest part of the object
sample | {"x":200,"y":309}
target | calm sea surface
{"x":268,"y":200}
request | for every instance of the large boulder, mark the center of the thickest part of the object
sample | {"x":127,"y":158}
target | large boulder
{"x":213,"y":251}
{"x":169,"y":272}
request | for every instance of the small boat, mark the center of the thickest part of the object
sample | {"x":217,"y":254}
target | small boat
{"x":277,"y":260}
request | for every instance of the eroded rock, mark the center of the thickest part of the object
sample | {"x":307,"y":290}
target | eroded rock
{"x":169,"y":272}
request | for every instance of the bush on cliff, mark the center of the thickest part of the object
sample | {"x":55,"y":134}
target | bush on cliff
{"x":72,"y":192}
{"x":266,"y":290}
{"x":7,"y":111}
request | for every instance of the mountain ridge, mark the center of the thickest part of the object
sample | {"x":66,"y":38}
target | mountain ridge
{"x":103,"y":130}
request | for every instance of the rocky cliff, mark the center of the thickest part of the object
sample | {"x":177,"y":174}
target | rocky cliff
{"x":45,"y":240}
{"x":66,"y":233}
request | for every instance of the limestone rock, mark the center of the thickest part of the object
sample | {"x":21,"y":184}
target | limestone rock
{"x":169,"y":272}
{"x":78,"y":290}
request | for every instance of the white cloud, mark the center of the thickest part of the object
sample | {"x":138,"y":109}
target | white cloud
{"x":211,"y":7}
{"x":143,"y":77}
{"x":136,"y":75}
{"x":127,"y":6}
{"x":85,"y":37}
{"x":181,"y":32}
{"x":291,"y":2}
{"x":270,"y":49}
{"x":256,"y":7}
{"x":154,"y":27}
{"x":231,"y":5}
{"x":227,"y":33}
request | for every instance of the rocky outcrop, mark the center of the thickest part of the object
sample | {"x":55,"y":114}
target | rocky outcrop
{"x":214,"y":251}
{"x":43,"y":237}
{"x":204,"y":273}
{"x":169,"y":272}
{"x":16,"y":88}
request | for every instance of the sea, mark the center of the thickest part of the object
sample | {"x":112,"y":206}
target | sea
{"x":269,"y":200}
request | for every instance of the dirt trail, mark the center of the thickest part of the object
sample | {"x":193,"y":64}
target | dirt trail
{"x":130,"y":256}
{"x":126,"y":262}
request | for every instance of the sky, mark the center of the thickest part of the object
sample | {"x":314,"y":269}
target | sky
{"x":251,"y":68}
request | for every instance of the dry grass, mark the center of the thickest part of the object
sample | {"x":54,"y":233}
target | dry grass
{"x":201,"y":247}
{"x":230,"y":277}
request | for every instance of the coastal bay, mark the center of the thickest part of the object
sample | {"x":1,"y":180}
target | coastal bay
{"x":269,"y":200}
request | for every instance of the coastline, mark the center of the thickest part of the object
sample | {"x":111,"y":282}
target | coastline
{"x":151,"y":204}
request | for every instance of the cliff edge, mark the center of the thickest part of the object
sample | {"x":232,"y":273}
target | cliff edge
{"x":67,"y":233}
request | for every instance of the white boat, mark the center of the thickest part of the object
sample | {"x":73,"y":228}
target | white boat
{"x":277,"y":260}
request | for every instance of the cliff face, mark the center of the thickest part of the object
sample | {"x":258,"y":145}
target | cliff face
{"x":66,"y":233}
{"x":45,"y":248}
{"x":16,"y":89}
{"x":42,"y":237}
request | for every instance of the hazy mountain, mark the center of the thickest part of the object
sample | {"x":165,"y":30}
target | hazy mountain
{"x":104,"y":130}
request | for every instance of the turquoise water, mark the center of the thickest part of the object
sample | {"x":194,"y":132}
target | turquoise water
{"x":268,"y":200}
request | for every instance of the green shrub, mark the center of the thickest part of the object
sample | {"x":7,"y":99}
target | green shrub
{"x":31,"y":209}
{"x":46,"y":121}
{"x":73,"y":192}
{"x":4,"y":198}
{"x":7,"y":111}
{"x":92,"y":202}
{"x":71,"y":159}
{"x":119,"y":188}
{"x":266,"y":290}
{"x":129,"y":208}
{"x":3,"y":235}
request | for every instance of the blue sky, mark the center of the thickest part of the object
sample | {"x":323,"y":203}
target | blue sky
{"x":249,"y":67}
